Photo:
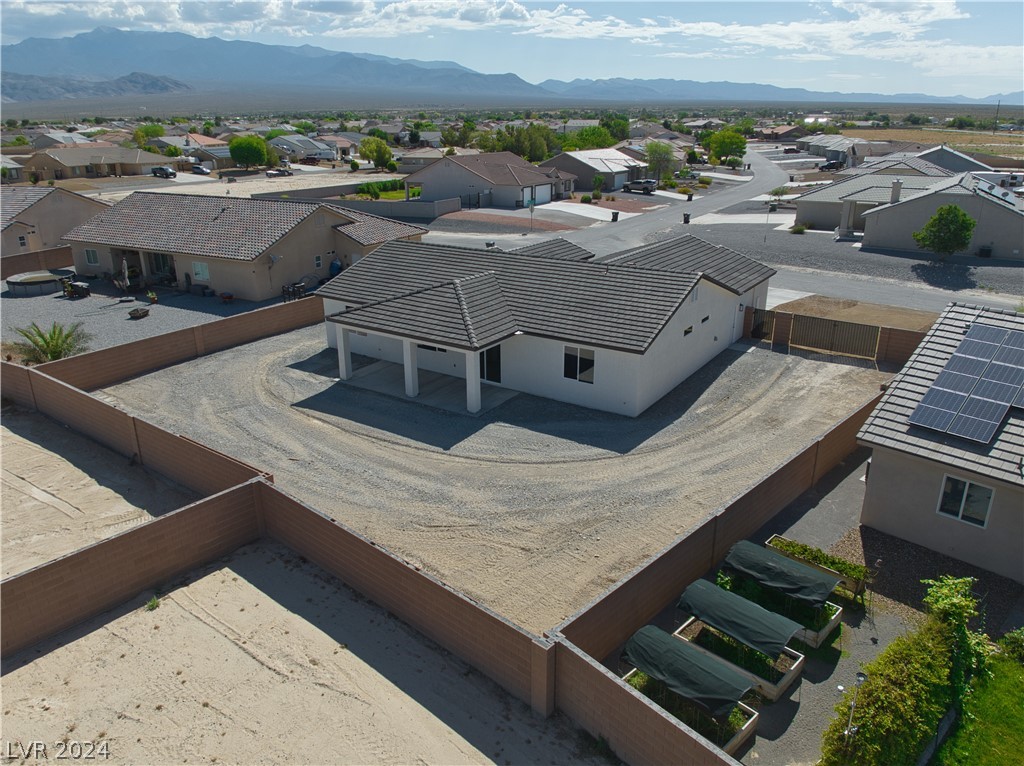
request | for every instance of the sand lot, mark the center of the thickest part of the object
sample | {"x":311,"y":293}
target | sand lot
{"x":263,"y":658}
{"x":62,"y":491}
{"x":534,"y":508}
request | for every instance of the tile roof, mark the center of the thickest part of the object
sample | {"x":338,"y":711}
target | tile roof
{"x":87,"y":155}
{"x":965,"y":185}
{"x":893,"y":165}
{"x":605,"y":160}
{"x":237,"y":228}
{"x":867,"y":188}
{"x":689,"y":254}
{"x":605,"y":305}
{"x":561,"y":249}
{"x":501,"y":169}
{"x":888,"y":425}
{"x":15,"y":200}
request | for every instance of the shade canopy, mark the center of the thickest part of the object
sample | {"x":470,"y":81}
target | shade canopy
{"x":699,"y":678}
{"x":773,"y":570}
{"x":744,"y":620}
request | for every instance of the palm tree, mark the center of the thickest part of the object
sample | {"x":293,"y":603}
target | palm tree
{"x":56,"y":343}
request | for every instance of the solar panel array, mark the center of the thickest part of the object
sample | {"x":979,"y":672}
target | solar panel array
{"x":980,"y":382}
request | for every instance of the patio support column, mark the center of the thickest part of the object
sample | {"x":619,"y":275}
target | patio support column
{"x":412,"y":372}
{"x":473,"y":381}
{"x":846,"y":221}
{"x":344,"y":355}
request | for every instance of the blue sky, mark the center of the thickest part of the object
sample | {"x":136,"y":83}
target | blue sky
{"x":939,"y":47}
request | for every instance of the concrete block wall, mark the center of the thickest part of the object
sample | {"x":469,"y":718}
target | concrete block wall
{"x":16,"y":385}
{"x":55,"y":596}
{"x":841,"y":440}
{"x":635,"y":728}
{"x":506,"y":653}
{"x":40,"y":260}
{"x":896,"y":346}
{"x":261,"y":323}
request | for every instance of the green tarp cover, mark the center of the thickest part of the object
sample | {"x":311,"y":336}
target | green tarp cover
{"x":744,"y":620}
{"x":702,"y":679}
{"x":773,"y":570}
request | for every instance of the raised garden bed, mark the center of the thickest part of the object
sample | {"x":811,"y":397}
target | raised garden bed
{"x":771,"y":677}
{"x":730,"y":736}
{"x":139,"y":313}
{"x":852,"y":577}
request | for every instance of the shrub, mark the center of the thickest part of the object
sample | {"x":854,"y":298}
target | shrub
{"x":685,"y":190}
{"x":671,"y":184}
{"x":1013,"y":644}
{"x":354,"y":165}
{"x":704,"y":181}
{"x":585,"y":199}
{"x":821,"y":558}
{"x":48,"y":345}
{"x":596,"y":195}
{"x":798,"y":228}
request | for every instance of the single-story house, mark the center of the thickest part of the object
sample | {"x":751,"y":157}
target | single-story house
{"x":13,"y":170}
{"x":614,"y":335}
{"x":998,"y":214}
{"x":614,"y":166}
{"x":947,"y":442}
{"x":92,"y":162}
{"x":344,"y":148}
{"x":841,"y":205}
{"x":499,"y":179}
{"x":250,"y":248}
{"x":59,"y":138}
{"x":297,"y":147}
{"x":782,"y":132}
{"x":187,"y":143}
{"x":35,"y":218}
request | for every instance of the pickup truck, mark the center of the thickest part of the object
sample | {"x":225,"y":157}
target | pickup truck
{"x":645,"y":185}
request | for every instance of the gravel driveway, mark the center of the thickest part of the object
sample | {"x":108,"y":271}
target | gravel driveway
{"x":534,"y":508}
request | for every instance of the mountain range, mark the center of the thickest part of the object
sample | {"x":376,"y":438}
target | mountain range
{"x":106,"y":63}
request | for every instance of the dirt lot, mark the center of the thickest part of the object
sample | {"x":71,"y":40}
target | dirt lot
{"x":858,"y":311}
{"x":534,"y":508}
{"x":62,"y":491}
{"x":1003,"y":143}
{"x":263,"y":658}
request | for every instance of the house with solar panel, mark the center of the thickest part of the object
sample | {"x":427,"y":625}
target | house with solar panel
{"x":947,"y":469}
{"x":613,"y":334}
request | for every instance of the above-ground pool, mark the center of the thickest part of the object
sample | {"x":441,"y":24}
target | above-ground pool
{"x":36,"y":282}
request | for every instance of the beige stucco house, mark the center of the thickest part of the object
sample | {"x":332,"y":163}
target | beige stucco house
{"x":997,"y":212}
{"x":35,"y":218}
{"x":948,"y":443}
{"x":251,"y":248}
{"x":92,"y":162}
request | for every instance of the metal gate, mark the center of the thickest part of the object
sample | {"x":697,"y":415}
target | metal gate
{"x":763,"y":327}
{"x":834,"y":337}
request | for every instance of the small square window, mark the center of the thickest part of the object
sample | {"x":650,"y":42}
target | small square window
{"x":688,"y":330}
{"x":318,"y":261}
{"x":966,"y":501}
{"x":579,"y":364}
{"x":92,"y":257}
{"x":22,"y":241}
{"x":200,"y":271}
{"x":705,"y":319}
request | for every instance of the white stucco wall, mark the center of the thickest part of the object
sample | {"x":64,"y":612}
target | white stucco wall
{"x":902,"y":497}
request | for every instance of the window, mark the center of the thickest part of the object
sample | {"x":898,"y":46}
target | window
{"x":705,"y":319}
{"x":579,"y":364}
{"x":965,"y":500}
{"x":431,"y":348}
{"x":688,"y":330}
{"x":693,"y":293}
{"x":200,"y":271}
{"x":92,"y":257}
{"x":22,"y":242}
{"x":318,"y":261}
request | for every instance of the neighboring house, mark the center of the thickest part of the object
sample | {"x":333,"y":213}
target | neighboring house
{"x":187,"y":143}
{"x":89,"y":162}
{"x":841,"y":205}
{"x":907,"y":166}
{"x":36,"y":218}
{"x":614,"y":166}
{"x":952,"y":160}
{"x":297,"y":147}
{"x":499,"y":179}
{"x":615,"y":335}
{"x":344,"y":148}
{"x":705,"y":124}
{"x":998,"y":214}
{"x":248,"y":247}
{"x":782,"y":132}
{"x":417,"y":159}
{"x":834,"y":148}
{"x":948,"y":443}
{"x":218,"y":157}
{"x":50,"y":140}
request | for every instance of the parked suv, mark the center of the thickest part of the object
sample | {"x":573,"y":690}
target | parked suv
{"x":832,"y":165}
{"x":645,"y":185}
{"x":164,"y":172}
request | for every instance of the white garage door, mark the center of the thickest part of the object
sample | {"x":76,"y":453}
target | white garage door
{"x":543,"y":194}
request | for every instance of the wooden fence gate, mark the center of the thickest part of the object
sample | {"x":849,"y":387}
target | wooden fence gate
{"x":834,"y":337}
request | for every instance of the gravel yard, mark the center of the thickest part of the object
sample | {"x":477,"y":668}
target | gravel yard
{"x":534,"y":508}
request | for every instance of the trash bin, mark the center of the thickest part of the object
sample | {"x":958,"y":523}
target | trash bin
{"x":985,"y":251}
{"x":615,"y":216}
{"x":686,"y":217}
{"x":772,"y":207}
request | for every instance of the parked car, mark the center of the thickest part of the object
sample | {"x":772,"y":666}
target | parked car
{"x":163,"y":171}
{"x":645,"y":185}
{"x":832,"y":165}
{"x":279,"y":172}
{"x":201,"y":170}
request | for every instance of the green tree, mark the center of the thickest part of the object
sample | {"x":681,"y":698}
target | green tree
{"x":172,"y":151}
{"x":591,"y":137}
{"x":617,"y":125}
{"x":376,"y":151}
{"x":208,"y":128}
{"x":377,"y":133}
{"x":414,"y":137}
{"x":304,"y":126}
{"x":11,"y":123}
{"x":248,"y":151}
{"x":727,"y":143}
{"x":598,"y":181}
{"x":659,"y":158}
{"x":948,"y":231}
{"x":56,"y":343}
